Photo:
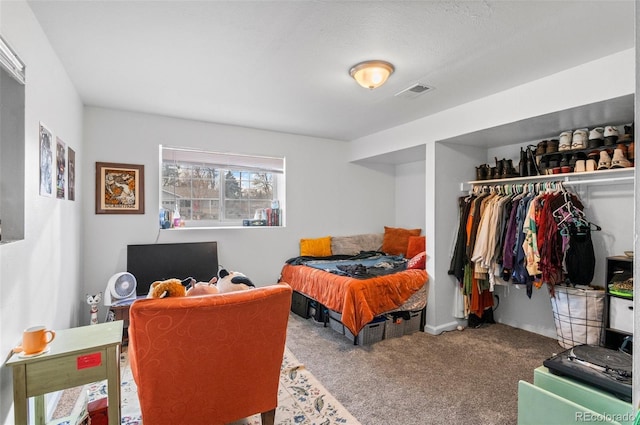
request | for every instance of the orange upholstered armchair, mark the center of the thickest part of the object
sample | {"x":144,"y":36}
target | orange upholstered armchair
{"x":210,"y":359}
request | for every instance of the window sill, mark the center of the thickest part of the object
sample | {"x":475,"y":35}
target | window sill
{"x":178,"y":229}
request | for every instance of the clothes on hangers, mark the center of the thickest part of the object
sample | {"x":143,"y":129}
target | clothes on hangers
{"x":580,"y":258}
{"x":526,"y":234}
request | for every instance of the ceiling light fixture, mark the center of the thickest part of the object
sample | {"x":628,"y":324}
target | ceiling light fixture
{"x":371,"y":74}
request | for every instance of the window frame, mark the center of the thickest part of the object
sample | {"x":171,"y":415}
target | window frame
{"x":219,"y":164}
{"x":12,"y":144}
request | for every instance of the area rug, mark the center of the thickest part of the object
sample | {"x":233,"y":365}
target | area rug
{"x":302,"y":400}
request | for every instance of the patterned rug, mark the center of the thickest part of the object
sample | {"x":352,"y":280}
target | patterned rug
{"x":302,"y":400}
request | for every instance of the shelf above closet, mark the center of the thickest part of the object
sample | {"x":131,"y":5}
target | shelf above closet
{"x":615,"y":111}
{"x":618,"y":175}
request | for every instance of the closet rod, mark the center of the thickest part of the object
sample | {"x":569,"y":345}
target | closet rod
{"x":565,"y":180}
{"x":605,"y":180}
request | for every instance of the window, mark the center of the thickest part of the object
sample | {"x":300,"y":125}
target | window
{"x":212,"y":189}
{"x":12,"y":144}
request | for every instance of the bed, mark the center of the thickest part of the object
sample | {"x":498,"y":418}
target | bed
{"x":362,"y":286}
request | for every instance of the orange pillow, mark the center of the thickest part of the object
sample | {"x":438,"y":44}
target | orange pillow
{"x":418,"y":262}
{"x":396,"y":240}
{"x":416,"y":245}
{"x":319,"y":247}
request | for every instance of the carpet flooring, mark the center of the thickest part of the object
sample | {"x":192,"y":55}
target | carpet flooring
{"x":468,"y":376}
{"x":457,"y":377}
{"x":302,"y":400}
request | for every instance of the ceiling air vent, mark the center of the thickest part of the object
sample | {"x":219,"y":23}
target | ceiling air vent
{"x":414,"y":91}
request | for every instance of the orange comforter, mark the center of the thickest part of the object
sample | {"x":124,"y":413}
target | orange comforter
{"x":359,"y":300}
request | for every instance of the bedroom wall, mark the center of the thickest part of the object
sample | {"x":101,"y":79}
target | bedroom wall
{"x":442,"y":225}
{"x":40,"y":276}
{"x":409,"y":195}
{"x":326,"y":195}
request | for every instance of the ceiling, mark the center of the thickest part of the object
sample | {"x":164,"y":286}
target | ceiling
{"x":284,"y":65}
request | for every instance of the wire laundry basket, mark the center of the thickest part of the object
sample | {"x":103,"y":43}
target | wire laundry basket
{"x":578,"y":315}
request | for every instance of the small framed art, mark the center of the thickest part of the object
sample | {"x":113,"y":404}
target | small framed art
{"x":61,"y":168}
{"x":119,"y":188}
{"x":71,"y":174}
{"x":46,"y":161}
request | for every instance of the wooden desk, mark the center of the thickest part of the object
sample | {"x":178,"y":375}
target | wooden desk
{"x":76,"y":357}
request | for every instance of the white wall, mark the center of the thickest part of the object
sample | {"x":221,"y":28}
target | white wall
{"x":40,"y":275}
{"x":326,"y":195}
{"x":409,"y":195}
{"x":442,"y":224}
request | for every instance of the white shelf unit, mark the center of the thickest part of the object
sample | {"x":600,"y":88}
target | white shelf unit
{"x":616,"y":175}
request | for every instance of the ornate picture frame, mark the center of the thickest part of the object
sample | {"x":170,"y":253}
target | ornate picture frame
{"x":119,"y":188}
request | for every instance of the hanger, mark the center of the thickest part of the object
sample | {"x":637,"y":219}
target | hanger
{"x":568,"y":206}
{"x":568,"y":211}
{"x":578,"y":218}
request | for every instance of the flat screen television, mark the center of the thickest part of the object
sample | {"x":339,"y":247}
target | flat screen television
{"x":152,"y":262}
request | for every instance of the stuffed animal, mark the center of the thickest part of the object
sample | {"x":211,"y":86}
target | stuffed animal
{"x":233,"y":281}
{"x":168,"y":288}
{"x":202,"y":288}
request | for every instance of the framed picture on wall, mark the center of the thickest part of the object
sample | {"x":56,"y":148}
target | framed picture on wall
{"x":61,"y":168}
{"x":71,"y":175}
{"x":119,"y":188}
{"x":46,"y":161}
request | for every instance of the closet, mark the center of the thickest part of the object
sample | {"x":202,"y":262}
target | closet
{"x":608,"y":197}
{"x":520,"y":233}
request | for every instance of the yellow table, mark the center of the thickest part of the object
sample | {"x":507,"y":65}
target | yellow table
{"x":76,"y":357}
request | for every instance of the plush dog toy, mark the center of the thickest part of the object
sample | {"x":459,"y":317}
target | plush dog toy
{"x":202,"y":288}
{"x":233,"y":281}
{"x":168,"y":288}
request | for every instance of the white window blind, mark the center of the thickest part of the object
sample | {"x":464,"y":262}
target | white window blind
{"x":227,"y":161}
{"x":10,"y":61}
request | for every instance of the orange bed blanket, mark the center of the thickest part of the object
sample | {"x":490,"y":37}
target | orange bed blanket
{"x":359,"y":300}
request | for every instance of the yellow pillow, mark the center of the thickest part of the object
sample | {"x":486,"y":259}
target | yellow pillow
{"x":319,"y":247}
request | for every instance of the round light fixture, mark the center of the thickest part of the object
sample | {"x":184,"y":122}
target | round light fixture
{"x":371,"y":74}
